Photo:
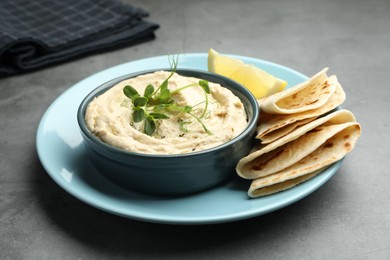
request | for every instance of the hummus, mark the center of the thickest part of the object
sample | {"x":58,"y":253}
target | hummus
{"x":109,"y":117}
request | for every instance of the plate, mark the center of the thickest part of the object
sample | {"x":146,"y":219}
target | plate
{"x":62,"y":153}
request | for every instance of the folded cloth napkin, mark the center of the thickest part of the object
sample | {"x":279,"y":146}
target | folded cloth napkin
{"x":38,"y":33}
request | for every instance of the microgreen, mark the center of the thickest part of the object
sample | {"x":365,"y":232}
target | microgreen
{"x":158,"y":103}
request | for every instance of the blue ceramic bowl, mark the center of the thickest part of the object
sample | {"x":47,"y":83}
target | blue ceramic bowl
{"x":171,"y":174}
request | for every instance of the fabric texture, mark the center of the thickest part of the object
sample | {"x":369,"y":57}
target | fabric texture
{"x":36,"y":34}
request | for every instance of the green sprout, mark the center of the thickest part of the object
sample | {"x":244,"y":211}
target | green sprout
{"x":158,"y":104}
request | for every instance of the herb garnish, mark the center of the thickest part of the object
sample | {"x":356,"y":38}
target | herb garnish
{"x":158,"y":104}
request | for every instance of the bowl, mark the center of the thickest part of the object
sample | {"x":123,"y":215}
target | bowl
{"x":177,"y":174}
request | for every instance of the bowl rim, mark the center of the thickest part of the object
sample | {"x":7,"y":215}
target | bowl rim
{"x":116,"y":150}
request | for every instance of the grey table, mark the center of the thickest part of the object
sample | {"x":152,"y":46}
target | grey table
{"x":347,"y":218}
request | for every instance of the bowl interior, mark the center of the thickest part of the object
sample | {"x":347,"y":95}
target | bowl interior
{"x":246,"y":97}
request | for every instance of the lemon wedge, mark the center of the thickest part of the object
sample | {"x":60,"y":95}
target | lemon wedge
{"x":222,"y":64}
{"x":258,"y":81}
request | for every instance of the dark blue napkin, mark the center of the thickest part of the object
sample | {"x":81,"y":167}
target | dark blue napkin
{"x":39,"y":33}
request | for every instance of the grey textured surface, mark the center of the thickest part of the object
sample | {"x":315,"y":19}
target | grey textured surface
{"x":347,"y":218}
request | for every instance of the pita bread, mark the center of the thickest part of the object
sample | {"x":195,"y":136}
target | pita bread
{"x":280,"y":132}
{"x":268,"y":185}
{"x":310,"y":94}
{"x":274,"y":126}
{"x":288,"y":150}
{"x":301,"y":133}
{"x":333,"y":149}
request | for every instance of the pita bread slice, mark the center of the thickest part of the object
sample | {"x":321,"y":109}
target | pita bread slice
{"x":310,"y":94}
{"x":272,"y":122}
{"x":332,"y":150}
{"x":280,"y":132}
{"x":284,"y":152}
{"x":267,"y":185}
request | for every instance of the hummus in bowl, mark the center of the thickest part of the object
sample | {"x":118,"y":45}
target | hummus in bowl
{"x":109,"y":117}
{"x":187,"y":152}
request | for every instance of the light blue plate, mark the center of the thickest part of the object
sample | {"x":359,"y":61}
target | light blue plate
{"x":62,"y":153}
